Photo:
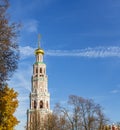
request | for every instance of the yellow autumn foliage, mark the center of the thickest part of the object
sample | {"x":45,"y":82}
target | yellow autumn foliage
{"x":8,"y":105}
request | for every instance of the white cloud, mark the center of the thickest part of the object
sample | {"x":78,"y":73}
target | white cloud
{"x":26,"y":51}
{"x":96,"y":52}
{"x":112,"y":51}
{"x":31,"y":26}
{"x":21,"y":79}
{"x":115,"y":91}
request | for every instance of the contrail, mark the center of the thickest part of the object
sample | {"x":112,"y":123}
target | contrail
{"x":102,"y":52}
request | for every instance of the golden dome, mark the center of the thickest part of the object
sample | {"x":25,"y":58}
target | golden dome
{"x":39,"y":51}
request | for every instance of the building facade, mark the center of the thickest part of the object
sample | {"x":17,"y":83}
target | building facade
{"x":111,"y":127}
{"x":39,"y":96}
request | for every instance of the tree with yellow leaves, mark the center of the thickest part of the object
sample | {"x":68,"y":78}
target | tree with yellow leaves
{"x":8,"y":105}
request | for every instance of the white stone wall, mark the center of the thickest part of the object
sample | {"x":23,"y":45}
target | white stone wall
{"x":39,"y":97}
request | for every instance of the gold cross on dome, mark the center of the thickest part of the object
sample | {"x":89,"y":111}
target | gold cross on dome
{"x":39,"y":37}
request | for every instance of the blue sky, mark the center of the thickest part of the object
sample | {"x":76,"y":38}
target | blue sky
{"x":81,"y":39}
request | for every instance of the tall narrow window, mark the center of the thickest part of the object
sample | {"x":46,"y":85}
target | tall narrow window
{"x":41,"y":104}
{"x":40,"y":70}
{"x":35,"y":104}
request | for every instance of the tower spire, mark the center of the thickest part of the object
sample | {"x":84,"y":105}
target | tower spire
{"x":39,"y":96}
{"x":39,"y":37}
{"x":39,"y":50}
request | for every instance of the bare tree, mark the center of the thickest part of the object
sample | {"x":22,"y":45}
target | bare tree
{"x":81,"y":114}
{"x":78,"y":114}
{"x":50,"y":122}
{"x":65,"y":114}
{"x":8,"y":45}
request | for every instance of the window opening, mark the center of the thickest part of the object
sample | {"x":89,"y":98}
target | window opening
{"x":41,"y":104}
{"x":35,"y":104}
{"x":40,"y":70}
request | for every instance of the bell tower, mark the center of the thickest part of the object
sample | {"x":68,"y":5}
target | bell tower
{"x":39,"y":96}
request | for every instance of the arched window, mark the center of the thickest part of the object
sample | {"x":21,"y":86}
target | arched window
{"x":41,"y":104}
{"x":35,"y":104}
{"x":40,"y":70}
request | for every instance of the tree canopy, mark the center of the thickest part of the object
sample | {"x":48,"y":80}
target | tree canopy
{"x":78,"y":114}
{"x":8,"y":105}
{"x":9,"y":51}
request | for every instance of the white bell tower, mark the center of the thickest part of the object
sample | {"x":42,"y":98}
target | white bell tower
{"x":39,"y":96}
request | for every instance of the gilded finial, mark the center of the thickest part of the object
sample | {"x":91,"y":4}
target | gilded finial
{"x":39,"y":50}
